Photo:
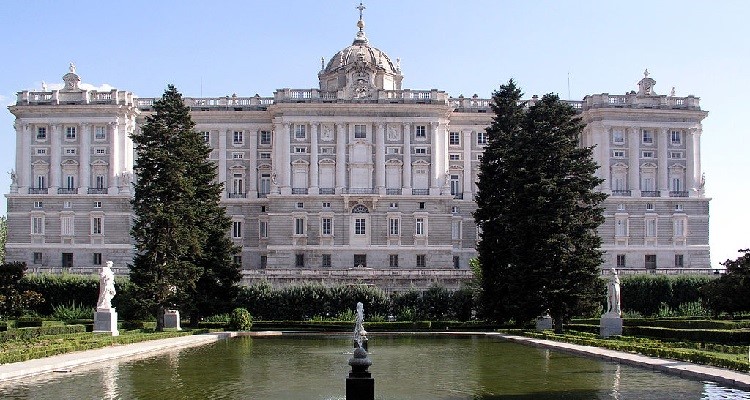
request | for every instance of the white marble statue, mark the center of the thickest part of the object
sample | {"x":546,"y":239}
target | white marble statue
{"x":359,"y":331}
{"x":106,"y":287}
{"x":613,"y":294}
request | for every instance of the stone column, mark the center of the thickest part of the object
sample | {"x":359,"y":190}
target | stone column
{"x":251,"y":178}
{"x":222,"y":175}
{"x":663,"y":168}
{"x":380,"y":158}
{"x":314,"y":184}
{"x":468,"y":175}
{"x":55,"y":169}
{"x":283,"y":172}
{"x":634,"y":164}
{"x":604,"y":134}
{"x":23,"y":159}
{"x":407,"y":160}
{"x":340,"y":157}
{"x":114,"y":157}
{"x":438,"y":163}
{"x":692,"y":177}
{"x":84,"y":181}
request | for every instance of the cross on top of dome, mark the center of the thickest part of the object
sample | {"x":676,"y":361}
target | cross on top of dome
{"x":361,"y":38}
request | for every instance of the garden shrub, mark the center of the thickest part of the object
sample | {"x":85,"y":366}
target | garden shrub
{"x":240,"y":320}
{"x":35,"y":332}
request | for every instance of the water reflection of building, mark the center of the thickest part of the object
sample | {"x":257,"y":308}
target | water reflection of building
{"x":358,"y":180}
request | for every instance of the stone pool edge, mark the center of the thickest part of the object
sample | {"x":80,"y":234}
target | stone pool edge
{"x":684,"y":369}
{"x":68,"y":361}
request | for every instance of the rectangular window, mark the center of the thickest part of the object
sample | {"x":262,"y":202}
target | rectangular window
{"x":621,"y":227}
{"x":37,"y":257}
{"x":454,"y":156}
{"x":37,"y":225}
{"x":299,"y":260}
{"x":237,"y":229}
{"x":238,"y":156}
{"x":676,"y":137}
{"x":621,"y":261}
{"x":618,"y":136}
{"x":326,"y":204}
{"x":299,"y":226}
{"x":679,"y":260}
{"x":360,"y":260}
{"x":70,"y":133}
{"x":393,"y":260}
{"x":206,"y":136}
{"x":454,"y":209}
{"x":360,"y":131}
{"x":263,"y":262}
{"x":300,"y":150}
{"x":100,"y":133}
{"x":360,"y":226}
{"x":650,"y":261}
{"x":70,"y":182}
{"x":265,"y":137}
{"x":67,"y":204}
{"x":66,"y":225}
{"x":393,"y":205}
{"x":41,"y":152}
{"x":647,"y":136}
{"x":97,"y":204}
{"x":300,"y":204}
{"x":70,"y":151}
{"x":420,"y":150}
{"x":97,"y":259}
{"x":679,"y":207}
{"x":100,"y":151}
{"x":455,"y":185}
{"x":649,"y":206}
{"x":647,"y":154}
{"x":421,"y":261}
{"x":456,"y":230}
{"x":456,"y":262}
{"x":265,"y":184}
{"x":237,"y":260}
{"x":455,"y":139}
{"x":394,"y":150}
{"x":393,"y":226}
{"x":263,"y":229}
{"x":676,"y":154}
{"x":238,"y":137}
{"x":419,"y":227}
{"x":618,"y":153}
{"x":421,"y":132}
{"x":326,"y":226}
{"x":300,"y":131}
{"x":96,"y":226}
{"x":38,"y":204}
{"x":679,"y":227}
{"x":650,"y":228}
{"x":99,"y":182}
{"x":41,"y":133}
{"x":265,"y":156}
{"x":420,"y":205}
{"x":481,"y":138}
{"x":326,"y":261}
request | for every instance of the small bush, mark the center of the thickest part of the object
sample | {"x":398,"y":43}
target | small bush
{"x":72,"y":312}
{"x":240,"y":320}
{"x":35,"y":332}
{"x":26,"y":322}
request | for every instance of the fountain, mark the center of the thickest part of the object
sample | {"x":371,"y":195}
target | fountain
{"x":360,"y":385}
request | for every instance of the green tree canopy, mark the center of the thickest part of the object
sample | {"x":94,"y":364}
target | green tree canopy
{"x":179,"y":228}
{"x":3,"y":237}
{"x":537,"y":210}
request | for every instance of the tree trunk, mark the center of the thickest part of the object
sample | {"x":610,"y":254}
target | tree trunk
{"x":558,"y":324}
{"x":160,"y":318}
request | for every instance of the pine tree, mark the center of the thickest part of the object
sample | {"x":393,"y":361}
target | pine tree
{"x":538,"y":211}
{"x":179,"y":228}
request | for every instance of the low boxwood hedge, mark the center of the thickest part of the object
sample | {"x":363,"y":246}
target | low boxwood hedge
{"x":36,"y":332}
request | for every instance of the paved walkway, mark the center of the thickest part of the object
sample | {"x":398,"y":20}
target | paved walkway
{"x":685,"y":369}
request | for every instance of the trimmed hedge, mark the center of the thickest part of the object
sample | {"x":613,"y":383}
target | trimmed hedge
{"x":646,"y":293}
{"x":26,"y":322}
{"x":36,"y":332}
{"x":720,"y":336}
{"x":672,"y":323}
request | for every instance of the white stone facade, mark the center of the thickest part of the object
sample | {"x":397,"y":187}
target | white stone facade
{"x":356,"y":181}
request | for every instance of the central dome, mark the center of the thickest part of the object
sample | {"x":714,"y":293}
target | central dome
{"x":360,"y":69}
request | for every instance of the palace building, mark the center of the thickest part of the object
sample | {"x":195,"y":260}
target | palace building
{"x":356,"y":181}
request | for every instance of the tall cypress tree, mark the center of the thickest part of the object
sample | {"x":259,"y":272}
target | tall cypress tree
{"x":538,"y":209}
{"x":177,"y":214}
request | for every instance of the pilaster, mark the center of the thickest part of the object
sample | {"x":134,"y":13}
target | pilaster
{"x":55,"y":158}
{"x":314,"y":184}
{"x":634,"y":162}
{"x":407,"y":159}
{"x":380,"y":158}
{"x":23,"y":155}
{"x":340,"y":157}
{"x":605,"y":133}
{"x":468,"y":187}
{"x":663,"y":170}
{"x":84,"y":181}
{"x":251,"y":178}
{"x":223,"y":135}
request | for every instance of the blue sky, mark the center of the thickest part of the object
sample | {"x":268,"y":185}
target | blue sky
{"x":216,"y":48}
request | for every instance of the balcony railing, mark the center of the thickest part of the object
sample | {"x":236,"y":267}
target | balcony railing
{"x":299,"y":190}
{"x":360,"y":191}
{"x":97,"y":191}
{"x":626,"y":193}
{"x":420,"y":192}
{"x":393,"y":192}
{"x":678,"y":193}
{"x":237,"y":195}
{"x":650,"y":193}
{"x":67,"y":191}
{"x":459,"y":196}
{"x":326,"y":191}
{"x":38,"y":190}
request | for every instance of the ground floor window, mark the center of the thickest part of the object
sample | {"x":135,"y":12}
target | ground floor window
{"x":621,"y":261}
{"x":360,"y":260}
{"x":393,"y":260}
{"x":456,"y":262}
{"x":263,"y":262}
{"x":237,"y":260}
{"x":421,"y":260}
{"x":97,"y":258}
{"x":37,"y":257}
{"x":299,"y":260}
{"x":679,"y":260}
{"x":650,"y":261}
{"x":67,"y":260}
{"x":326,"y":261}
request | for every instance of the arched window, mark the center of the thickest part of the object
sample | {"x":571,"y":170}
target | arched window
{"x":360,"y":209}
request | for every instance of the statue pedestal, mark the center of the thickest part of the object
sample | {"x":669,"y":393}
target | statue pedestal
{"x":172,"y":320}
{"x":610,"y":325}
{"x":105,"y":321}
{"x":544,"y":323}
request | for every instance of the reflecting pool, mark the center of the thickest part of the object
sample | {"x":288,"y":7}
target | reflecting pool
{"x":404,"y":367}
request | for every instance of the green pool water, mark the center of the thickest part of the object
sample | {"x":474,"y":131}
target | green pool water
{"x":404,"y":367}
